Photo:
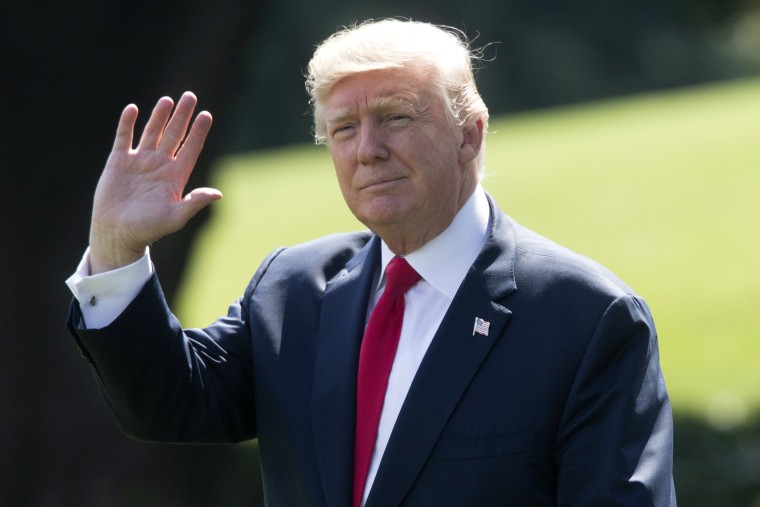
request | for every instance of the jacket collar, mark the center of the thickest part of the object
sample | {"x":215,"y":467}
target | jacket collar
{"x":451,"y":361}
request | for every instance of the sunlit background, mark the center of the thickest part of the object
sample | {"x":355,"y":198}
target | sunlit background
{"x":627,"y":130}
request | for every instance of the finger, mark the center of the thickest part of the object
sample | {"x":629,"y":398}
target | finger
{"x":154,"y":128}
{"x":174,"y":133}
{"x":195,"y":201}
{"x":200,"y":198}
{"x":191,"y":149}
{"x":125,"y":129}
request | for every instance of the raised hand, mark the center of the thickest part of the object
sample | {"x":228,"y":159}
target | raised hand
{"x":140,"y":196}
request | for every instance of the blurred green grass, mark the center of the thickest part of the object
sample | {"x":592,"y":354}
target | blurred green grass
{"x":661,"y":188}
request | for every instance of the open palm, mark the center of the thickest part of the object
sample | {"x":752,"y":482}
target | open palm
{"x":140,"y":196}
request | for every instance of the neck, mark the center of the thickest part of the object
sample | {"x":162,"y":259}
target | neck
{"x":408,"y":238}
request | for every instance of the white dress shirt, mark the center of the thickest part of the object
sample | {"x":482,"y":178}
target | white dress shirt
{"x":443,"y":264}
{"x":104,"y":296}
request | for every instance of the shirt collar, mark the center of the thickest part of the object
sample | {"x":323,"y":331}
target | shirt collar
{"x":443,"y":262}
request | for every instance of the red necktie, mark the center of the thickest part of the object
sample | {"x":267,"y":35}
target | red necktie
{"x":375,"y":360}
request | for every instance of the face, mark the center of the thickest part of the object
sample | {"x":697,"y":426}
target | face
{"x":403,"y":168}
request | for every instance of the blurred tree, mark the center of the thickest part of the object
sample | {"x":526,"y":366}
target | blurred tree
{"x":67,"y":71}
{"x":542,"y":53}
{"x":710,"y":12}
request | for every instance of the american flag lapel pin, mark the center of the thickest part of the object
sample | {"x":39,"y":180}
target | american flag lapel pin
{"x":481,"y":327}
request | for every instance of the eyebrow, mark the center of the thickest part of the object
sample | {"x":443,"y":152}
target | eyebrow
{"x":375,"y":105}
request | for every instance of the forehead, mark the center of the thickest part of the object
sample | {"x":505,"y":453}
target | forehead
{"x":378,"y":90}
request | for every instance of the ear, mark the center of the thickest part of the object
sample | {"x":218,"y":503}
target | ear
{"x":472,"y":140}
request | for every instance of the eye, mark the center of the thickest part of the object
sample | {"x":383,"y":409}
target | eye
{"x":342,"y":130}
{"x":398,"y":119}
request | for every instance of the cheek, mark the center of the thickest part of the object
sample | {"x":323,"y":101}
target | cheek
{"x":344,"y":174}
{"x":342,"y":166}
{"x":441,"y":169}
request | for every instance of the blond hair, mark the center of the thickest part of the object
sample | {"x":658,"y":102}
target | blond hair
{"x":392,"y":44}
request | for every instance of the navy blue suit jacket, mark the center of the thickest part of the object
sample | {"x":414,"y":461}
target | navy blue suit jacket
{"x":562,"y":403}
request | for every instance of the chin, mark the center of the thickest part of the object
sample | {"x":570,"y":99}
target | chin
{"x":386,"y":210}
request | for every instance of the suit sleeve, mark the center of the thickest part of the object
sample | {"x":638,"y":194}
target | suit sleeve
{"x":614,"y":447}
{"x":163,"y":383}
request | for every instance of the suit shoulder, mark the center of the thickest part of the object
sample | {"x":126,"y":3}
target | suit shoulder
{"x":315,"y":261}
{"x":328,"y":250}
{"x":542,"y":262}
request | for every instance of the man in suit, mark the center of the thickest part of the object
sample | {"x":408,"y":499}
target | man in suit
{"x":518,"y":373}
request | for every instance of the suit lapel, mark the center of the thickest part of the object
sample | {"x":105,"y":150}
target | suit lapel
{"x":449,"y":365}
{"x":333,"y":402}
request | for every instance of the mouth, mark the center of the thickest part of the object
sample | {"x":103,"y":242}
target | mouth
{"x":381,"y":184}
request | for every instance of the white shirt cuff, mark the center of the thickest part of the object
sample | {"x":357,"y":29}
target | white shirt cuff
{"x":104,"y":296}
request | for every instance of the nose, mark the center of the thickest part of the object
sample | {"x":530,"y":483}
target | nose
{"x":371,"y":143}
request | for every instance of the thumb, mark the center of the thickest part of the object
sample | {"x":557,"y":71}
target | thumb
{"x":198,"y":199}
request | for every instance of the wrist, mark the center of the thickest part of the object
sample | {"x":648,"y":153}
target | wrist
{"x":107,"y":257}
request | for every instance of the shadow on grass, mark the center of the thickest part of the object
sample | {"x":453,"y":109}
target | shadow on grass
{"x":717,"y":466}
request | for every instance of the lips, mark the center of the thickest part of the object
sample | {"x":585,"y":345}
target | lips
{"x":380,"y":184}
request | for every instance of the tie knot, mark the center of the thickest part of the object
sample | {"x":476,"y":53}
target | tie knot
{"x":400,"y":277}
